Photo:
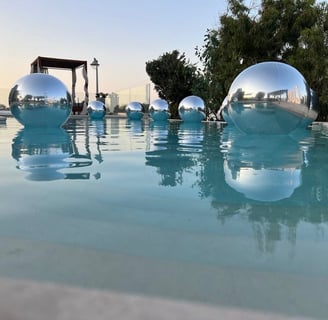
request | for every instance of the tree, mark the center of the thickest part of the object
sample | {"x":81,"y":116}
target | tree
{"x":291,"y":31}
{"x":310,"y":57}
{"x":174,"y":78}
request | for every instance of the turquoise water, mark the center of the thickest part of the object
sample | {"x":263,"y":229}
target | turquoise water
{"x":194,"y":212}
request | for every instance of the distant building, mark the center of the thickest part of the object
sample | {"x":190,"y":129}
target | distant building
{"x":112,"y":102}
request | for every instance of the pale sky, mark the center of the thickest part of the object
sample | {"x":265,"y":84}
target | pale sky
{"x":122,"y":34}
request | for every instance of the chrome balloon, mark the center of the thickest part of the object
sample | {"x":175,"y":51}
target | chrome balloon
{"x":223,"y":112}
{"x":192,"y":109}
{"x":271,"y":98}
{"x":134,"y":110}
{"x":159,"y":110}
{"x":96,"y":109}
{"x":40,"y":100}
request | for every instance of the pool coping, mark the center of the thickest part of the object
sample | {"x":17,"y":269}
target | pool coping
{"x":27,"y":300}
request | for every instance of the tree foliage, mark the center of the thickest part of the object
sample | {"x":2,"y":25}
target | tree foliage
{"x":291,"y":31}
{"x":173,"y":76}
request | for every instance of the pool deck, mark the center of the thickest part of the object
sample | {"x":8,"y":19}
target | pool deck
{"x":4,"y":114}
{"x":27,"y":300}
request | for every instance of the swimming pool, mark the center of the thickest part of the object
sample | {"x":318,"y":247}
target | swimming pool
{"x":194,"y":212}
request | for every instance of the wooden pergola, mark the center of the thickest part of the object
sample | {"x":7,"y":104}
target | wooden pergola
{"x":42,"y":64}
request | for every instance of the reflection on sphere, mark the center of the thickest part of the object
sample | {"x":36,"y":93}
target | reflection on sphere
{"x":96,"y":109}
{"x":224,"y":112}
{"x":134,"y":110}
{"x":159,"y":110}
{"x":192,"y":109}
{"x":271,"y":98}
{"x":40,"y":100}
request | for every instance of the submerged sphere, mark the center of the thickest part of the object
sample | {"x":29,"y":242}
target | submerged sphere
{"x":270,"y":98}
{"x":96,"y":109}
{"x":192,"y":109}
{"x":159,"y":110}
{"x":40,"y":100}
{"x":134,"y":110}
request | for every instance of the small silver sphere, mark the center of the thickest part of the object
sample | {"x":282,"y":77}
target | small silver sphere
{"x":192,"y":109}
{"x":40,"y":100}
{"x":270,"y":98}
{"x":134,"y":110}
{"x":159,"y":110}
{"x":96,"y":109}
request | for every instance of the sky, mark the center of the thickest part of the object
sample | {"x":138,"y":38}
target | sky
{"x":121,"y":34}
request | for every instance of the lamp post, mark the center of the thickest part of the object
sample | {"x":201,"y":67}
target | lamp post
{"x":95,"y":65}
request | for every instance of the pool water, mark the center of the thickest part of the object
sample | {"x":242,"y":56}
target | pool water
{"x":195,"y":212}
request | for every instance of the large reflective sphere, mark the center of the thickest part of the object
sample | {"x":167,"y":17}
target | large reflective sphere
{"x":192,"y":109}
{"x":134,"y":110}
{"x":271,"y":98}
{"x":40,"y":100}
{"x":96,"y":109}
{"x":223,"y":112}
{"x":159,"y":110}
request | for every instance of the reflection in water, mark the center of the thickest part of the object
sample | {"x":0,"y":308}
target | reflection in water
{"x":135,"y":130}
{"x":43,"y":152}
{"x":99,"y":131}
{"x":175,"y":193}
{"x":191,"y":136}
{"x":274,"y":179}
{"x":172,"y":147}
{"x":135,"y":126}
{"x":55,"y":153}
{"x":273,"y":182}
{"x":262,"y":168}
{"x":180,"y":147}
{"x":86,"y":135}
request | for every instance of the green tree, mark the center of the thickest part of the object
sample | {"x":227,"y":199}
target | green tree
{"x":173,"y":77}
{"x":291,"y":31}
{"x":310,"y":56}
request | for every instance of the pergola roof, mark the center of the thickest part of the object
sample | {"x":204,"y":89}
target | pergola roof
{"x":41,"y":64}
{"x":47,"y":62}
